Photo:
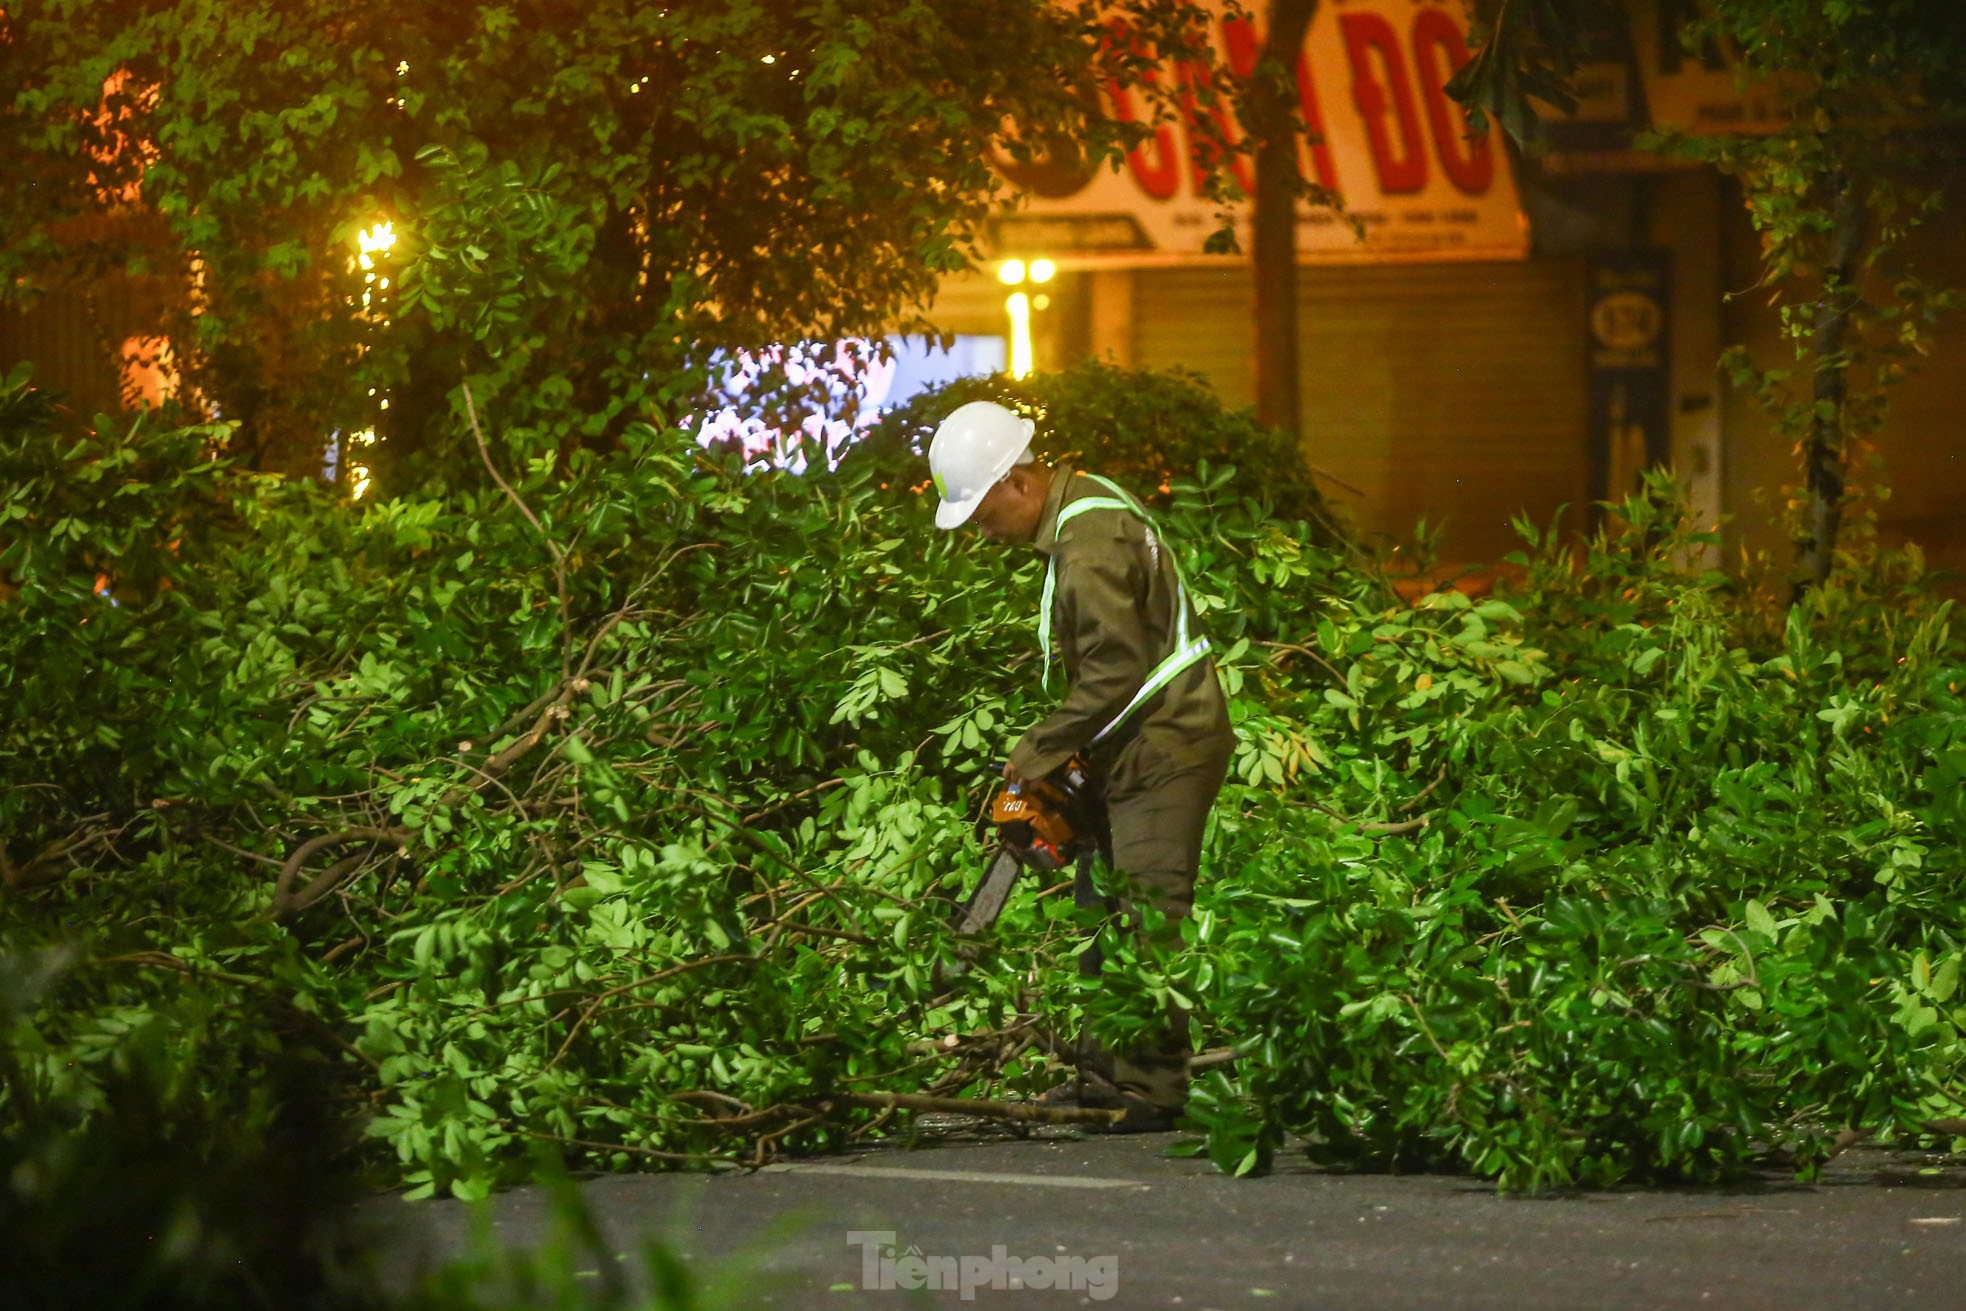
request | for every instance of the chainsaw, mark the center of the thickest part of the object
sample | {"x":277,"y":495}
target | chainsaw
{"x":1041,"y":824}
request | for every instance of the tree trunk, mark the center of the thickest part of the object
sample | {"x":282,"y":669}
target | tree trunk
{"x":1823,"y":451}
{"x":1273,"y":96}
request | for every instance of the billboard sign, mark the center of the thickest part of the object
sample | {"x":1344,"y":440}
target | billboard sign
{"x":1387,"y":139}
{"x":1638,"y":73}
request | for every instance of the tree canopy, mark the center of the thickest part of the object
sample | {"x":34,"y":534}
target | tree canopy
{"x":590,"y":204}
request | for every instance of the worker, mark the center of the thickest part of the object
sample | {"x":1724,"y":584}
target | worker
{"x":1143,"y":705}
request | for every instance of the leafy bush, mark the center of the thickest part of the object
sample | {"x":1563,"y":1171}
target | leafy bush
{"x":189,"y":1188}
{"x":1682,"y":902}
{"x":1142,"y":427}
{"x":620,"y":812}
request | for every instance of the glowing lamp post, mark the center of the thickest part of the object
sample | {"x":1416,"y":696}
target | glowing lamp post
{"x":1014,"y":273}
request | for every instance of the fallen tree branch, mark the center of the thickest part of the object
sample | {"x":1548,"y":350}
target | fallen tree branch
{"x":587,"y":1012}
{"x":1027,"y":1112}
{"x":649,"y":1152}
{"x":556,"y":711}
{"x":283,"y":900}
{"x":327,"y":881}
{"x":1404,"y":826}
{"x":1306,"y":651}
{"x":1413,"y":802}
{"x":30,"y":873}
{"x":793,"y":799}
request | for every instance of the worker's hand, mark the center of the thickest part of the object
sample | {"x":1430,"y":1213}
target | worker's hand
{"x":1010,"y":774}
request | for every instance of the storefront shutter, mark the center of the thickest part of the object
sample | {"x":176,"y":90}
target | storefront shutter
{"x":1454,"y":391}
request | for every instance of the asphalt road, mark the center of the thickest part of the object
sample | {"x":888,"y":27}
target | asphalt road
{"x":1120,"y":1224}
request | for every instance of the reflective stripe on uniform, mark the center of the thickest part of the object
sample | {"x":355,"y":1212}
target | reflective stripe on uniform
{"x":1185,"y":652}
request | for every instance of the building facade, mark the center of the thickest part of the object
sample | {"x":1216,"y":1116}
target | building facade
{"x":1502,"y":335}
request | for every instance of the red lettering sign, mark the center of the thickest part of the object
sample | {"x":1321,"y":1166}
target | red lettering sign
{"x":1203,"y":151}
{"x":1372,"y":46}
{"x":1239,"y":36}
{"x":1394,"y":146}
{"x":1327,"y":172}
{"x":1439,"y":50}
{"x":1157,"y":168}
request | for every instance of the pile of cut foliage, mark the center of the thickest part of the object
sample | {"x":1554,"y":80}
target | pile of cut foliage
{"x":615,"y":802}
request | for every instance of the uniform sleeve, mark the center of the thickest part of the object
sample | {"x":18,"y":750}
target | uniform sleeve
{"x":1102,"y":593}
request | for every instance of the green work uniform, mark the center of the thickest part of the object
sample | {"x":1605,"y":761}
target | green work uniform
{"x":1117,"y":615}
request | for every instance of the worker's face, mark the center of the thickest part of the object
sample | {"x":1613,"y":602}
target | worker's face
{"x":1009,"y":512}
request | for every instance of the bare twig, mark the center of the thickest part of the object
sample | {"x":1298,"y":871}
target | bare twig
{"x":1028,"y":1112}
{"x":1306,"y":651}
{"x":1413,"y":802}
{"x":731,"y":1104}
{"x":515,"y":720}
{"x":29,"y":874}
{"x":587,"y":1012}
{"x":839,"y":935}
{"x":1333,"y":478}
{"x":874,"y":1125}
{"x":1420,"y":1017}
{"x":1404,"y":826}
{"x":649,"y":1152}
{"x":556,"y":711}
{"x":327,"y":881}
{"x":283,"y":901}
{"x":223,"y":845}
{"x":767,"y":1142}
{"x":559,"y":555}
{"x":783,"y":802}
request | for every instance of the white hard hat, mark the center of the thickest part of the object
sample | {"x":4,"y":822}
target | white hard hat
{"x":972,"y":451}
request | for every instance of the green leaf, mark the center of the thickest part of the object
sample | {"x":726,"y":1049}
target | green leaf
{"x":1945,"y":979}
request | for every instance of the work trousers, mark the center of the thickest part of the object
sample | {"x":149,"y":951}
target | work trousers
{"x":1155,"y":852}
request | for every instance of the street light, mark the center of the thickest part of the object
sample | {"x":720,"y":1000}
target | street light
{"x":1019,"y":306}
{"x":1012,"y":273}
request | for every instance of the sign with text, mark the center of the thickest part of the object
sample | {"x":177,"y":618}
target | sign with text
{"x":1372,"y":79}
{"x":1629,"y":323}
{"x":1638,"y":72}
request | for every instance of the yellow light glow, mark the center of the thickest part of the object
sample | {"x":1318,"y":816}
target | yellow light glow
{"x":402,"y":67}
{"x":377,"y":239}
{"x":1041,"y":302}
{"x":1042,"y":270}
{"x":771,"y":59}
{"x":1019,"y":306}
{"x":358,"y":481}
{"x":149,"y":373}
{"x":1010,"y":272}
